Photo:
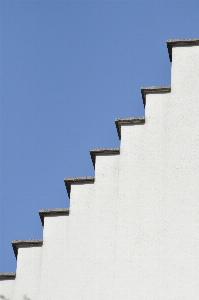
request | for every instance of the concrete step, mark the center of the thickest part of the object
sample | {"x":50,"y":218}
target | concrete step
{"x":77,"y":180}
{"x":154,"y":90}
{"x":180,"y":43}
{"x":127,"y":122}
{"x":102,"y":152}
{"x":53,"y":213}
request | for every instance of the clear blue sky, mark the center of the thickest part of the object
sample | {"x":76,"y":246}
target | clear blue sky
{"x":68,"y":69}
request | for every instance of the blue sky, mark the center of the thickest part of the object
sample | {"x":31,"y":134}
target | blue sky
{"x":67,"y":70}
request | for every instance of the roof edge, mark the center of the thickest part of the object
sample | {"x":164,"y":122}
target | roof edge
{"x":77,"y":180}
{"x":127,"y":121}
{"x":154,"y":90}
{"x":102,"y":151}
{"x":52,"y":212}
{"x":180,"y":42}
{"x":16,"y":244}
{"x":7,"y":275}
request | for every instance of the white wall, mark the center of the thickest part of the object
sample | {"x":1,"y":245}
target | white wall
{"x":78,"y":249}
{"x":134,"y":233}
{"x":65,"y":246}
{"x":106,"y":190}
{"x":28,"y":273}
{"x":7,"y":288}
{"x":158,"y":194}
{"x":135,"y":236}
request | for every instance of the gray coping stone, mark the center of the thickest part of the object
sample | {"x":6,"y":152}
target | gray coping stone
{"x":128,"y":121}
{"x":53,"y":212}
{"x":7,"y":275}
{"x":154,"y":90}
{"x":77,"y":180}
{"x":103,"y":151}
{"x":180,"y":42}
{"x":16,"y":244}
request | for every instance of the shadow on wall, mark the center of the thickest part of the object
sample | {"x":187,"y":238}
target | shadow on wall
{"x":4,"y":298}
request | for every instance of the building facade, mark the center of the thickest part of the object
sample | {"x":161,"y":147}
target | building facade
{"x":132,"y":231}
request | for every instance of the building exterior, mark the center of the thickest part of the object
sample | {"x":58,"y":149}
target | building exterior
{"x":132,"y":231}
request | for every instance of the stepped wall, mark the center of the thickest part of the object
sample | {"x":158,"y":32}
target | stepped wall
{"x":133,"y":229}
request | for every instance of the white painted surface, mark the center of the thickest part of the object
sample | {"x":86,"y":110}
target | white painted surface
{"x":158,"y":198}
{"x":106,"y":190}
{"x":53,"y":257}
{"x":66,"y":246}
{"x":139,"y":238}
{"x":92,"y":235}
{"x":78,"y":249}
{"x":134,"y":233}
{"x":28,"y":273}
{"x":7,"y":288}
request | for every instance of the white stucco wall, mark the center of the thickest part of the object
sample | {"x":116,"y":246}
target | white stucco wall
{"x":158,"y":194}
{"x":66,"y":246}
{"x":28,"y":273}
{"x":7,"y":288}
{"x":78,"y":249}
{"x":135,"y":236}
{"x":133,"y":233}
{"x":104,"y":220}
{"x":53,"y":257}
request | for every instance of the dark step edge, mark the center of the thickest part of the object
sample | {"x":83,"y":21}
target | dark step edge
{"x":7,"y":275}
{"x":153,"y":90}
{"x":77,"y":180}
{"x":53,"y":212}
{"x":102,"y":151}
{"x":16,"y":244}
{"x":127,"y":121}
{"x":180,"y":42}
